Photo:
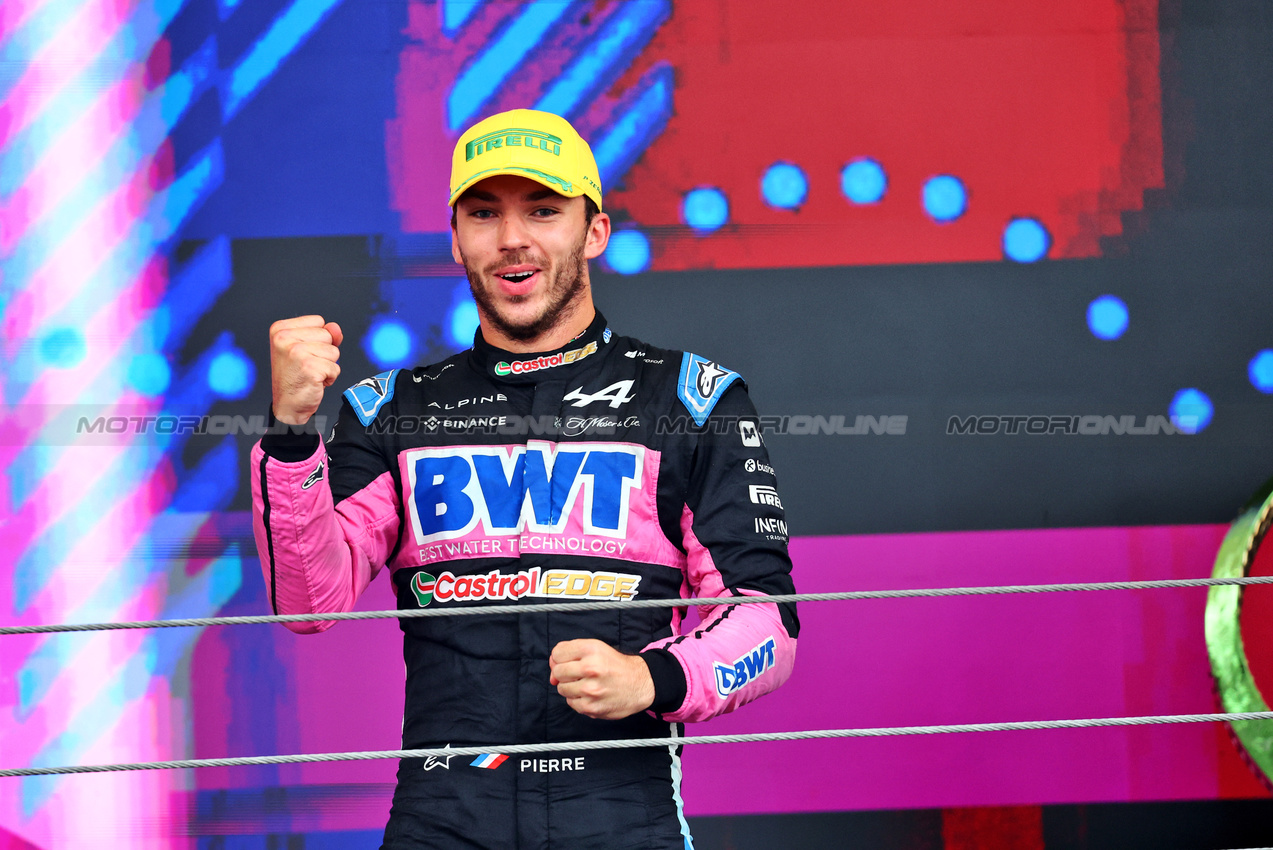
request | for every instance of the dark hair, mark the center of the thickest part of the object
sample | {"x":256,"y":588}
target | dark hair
{"x":590,"y":210}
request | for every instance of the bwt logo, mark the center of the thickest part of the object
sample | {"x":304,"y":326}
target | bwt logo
{"x":731,"y":677}
{"x":510,"y":489}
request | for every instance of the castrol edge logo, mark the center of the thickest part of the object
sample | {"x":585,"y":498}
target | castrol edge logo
{"x":548,"y":361}
{"x":495,"y":586}
{"x":458,"y":492}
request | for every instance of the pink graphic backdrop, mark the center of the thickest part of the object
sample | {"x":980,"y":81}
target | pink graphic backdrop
{"x":866,"y":664}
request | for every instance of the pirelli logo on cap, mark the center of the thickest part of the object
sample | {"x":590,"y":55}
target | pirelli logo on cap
{"x":513,"y":138}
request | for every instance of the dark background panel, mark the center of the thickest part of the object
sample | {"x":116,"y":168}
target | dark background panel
{"x":932,"y":342}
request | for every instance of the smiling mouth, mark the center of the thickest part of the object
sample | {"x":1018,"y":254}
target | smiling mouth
{"x":516,"y":277}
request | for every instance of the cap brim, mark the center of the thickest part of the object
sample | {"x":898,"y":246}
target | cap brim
{"x":558,"y":184}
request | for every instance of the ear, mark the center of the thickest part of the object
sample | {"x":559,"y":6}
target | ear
{"x":598,"y":236}
{"x":455,"y":246}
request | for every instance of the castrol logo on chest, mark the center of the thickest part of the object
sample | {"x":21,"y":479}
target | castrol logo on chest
{"x":535,"y":582}
{"x":495,"y":501}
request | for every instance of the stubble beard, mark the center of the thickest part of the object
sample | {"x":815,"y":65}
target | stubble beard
{"x":561,"y":301}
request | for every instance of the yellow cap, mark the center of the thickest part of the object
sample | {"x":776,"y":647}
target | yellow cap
{"x":527,"y":143}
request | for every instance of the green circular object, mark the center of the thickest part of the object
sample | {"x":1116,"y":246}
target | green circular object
{"x":1234,"y":681}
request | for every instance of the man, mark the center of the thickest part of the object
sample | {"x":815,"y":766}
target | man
{"x":553,"y":461}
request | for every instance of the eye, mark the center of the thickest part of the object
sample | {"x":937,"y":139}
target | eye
{"x":545,"y":212}
{"x":480,"y":213}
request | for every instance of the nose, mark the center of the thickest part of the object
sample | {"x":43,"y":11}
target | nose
{"x":513,"y":233}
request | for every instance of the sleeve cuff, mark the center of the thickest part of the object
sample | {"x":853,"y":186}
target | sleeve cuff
{"x":290,"y":443}
{"x":669,"y":680}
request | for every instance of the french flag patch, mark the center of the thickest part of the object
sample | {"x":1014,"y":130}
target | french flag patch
{"x":490,"y":761}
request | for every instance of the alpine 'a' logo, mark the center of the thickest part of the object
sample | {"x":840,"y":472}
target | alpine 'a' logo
{"x":708,"y":374}
{"x":615,"y":395}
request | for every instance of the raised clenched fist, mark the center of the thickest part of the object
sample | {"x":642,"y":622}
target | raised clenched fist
{"x":303,"y":355}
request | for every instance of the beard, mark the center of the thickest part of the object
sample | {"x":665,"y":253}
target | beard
{"x":560,"y":300}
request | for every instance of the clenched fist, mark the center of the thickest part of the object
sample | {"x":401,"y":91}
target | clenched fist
{"x":599,"y":681}
{"x":303,"y":355}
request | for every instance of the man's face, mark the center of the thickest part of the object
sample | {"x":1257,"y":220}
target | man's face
{"x":525,"y":249}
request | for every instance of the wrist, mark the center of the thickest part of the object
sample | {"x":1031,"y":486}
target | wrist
{"x":667,"y":679}
{"x":290,"y":443}
{"x":288,"y":416}
{"x":645,"y":692}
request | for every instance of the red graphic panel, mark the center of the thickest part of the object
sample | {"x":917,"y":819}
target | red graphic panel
{"x":1043,"y":109}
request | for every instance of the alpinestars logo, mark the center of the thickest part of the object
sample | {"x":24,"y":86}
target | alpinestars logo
{"x":369,"y":395}
{"x":314,"y":477}
{"x":708,"y":374}
{"x":548,"y":361}
{"x":731,"y":677}
{"x":443,"y":762}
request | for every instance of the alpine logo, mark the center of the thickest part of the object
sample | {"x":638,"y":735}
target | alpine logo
{"x":507,"y":490}
{"x":731,"y":677}
{"x":477,"y":399}
{"x":763,"y":494}
{"x":534,"y":582}
{"x":616,"y":394}
{"x":547,"y":361}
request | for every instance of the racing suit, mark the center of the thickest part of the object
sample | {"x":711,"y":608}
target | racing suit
{"x":605,"y":470}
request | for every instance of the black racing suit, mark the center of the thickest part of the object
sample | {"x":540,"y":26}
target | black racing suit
{"x":605,"y":470}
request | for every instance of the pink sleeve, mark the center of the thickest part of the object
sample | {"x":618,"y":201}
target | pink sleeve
{"x":316,"y":556}
{"x":737,"y":654}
